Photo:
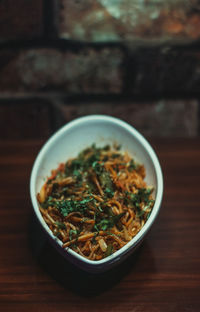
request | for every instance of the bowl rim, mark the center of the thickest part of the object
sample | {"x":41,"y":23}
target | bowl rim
{"x":158,"y":172}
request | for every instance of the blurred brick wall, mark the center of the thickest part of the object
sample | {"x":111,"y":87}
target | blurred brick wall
{"x":136,"y":60}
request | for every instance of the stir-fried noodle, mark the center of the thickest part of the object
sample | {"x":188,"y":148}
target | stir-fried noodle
{"x":97,"y":202}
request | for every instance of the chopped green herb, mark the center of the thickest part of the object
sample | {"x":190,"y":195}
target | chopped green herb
{"x":48,"y":202}
{"x":93,"y":240}
{"x":109,"y":193}
{"x":135,"y":200}
{"x":108,"y":223}
{"x":72,"y":233}
{"x":98,"y":168}
{"x":109,"y":250}
{"x":117,"y":146}
{"x":60,"y":225}
{"x":132,"y":165}
{"x":106,"y":148}
{"x":106,"y":181}
{"x":68,"y":205}
{"x":115,"y":155}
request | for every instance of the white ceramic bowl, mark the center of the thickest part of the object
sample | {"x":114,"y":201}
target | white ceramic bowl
{"x":68,"y":142}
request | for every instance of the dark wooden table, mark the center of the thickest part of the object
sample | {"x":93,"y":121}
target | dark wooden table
{"x":163,"y":275}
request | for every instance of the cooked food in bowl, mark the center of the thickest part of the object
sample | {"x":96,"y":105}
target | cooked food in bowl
{"x":97,"y":202}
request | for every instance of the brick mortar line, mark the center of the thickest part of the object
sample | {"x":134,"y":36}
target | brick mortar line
{"x":58,"y":43}
{"x":98,"y":97}
{"x":46,"y":41}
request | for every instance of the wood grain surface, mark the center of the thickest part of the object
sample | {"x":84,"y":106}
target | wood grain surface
{"x":163,"y":275}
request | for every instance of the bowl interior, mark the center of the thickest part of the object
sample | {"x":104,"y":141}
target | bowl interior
{"x":70,"y":142}
{"x":101,"y":130}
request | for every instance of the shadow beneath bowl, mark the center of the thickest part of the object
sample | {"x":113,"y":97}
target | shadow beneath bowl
{"x":71,"y":277}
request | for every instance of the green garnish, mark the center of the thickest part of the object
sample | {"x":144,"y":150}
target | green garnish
{"x":60,"y":225}
{"x":109,"y":222}
{"x":72,"y":233}
{"x":109,"y":250}
{"x":132,"y":165}
{"x":135,"y":200}
{"x":108,"y":192}
{"x":49,"y":201}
